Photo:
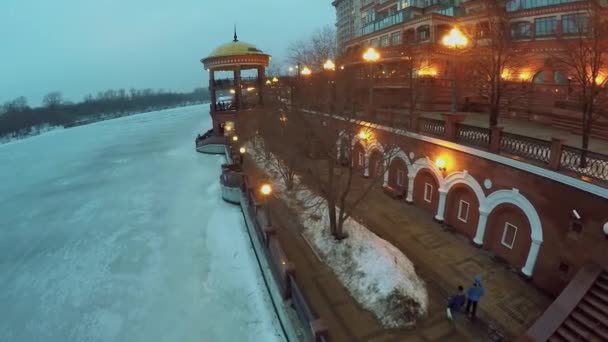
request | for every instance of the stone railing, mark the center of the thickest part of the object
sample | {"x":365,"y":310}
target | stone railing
{"x":526,"y":147}
{"x":432,"y":127}
{"x":595,"y":166}
{"x":283,"y":271}
{"x":474,"y":136}
{"x":552,"y":154}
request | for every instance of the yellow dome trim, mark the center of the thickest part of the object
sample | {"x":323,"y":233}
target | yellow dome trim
{"x":235,"y":49}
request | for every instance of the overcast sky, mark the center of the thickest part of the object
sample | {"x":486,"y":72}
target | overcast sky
{"x":84,"y":46}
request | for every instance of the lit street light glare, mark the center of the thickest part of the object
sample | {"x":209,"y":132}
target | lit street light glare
{"x":329,"y":65}
{"x":306,"y":71}
{"x":266,"y":189}
{"x":371,"y":55}
{"x":235,"y":138}
{"x":242,"y":150}
{"x":455,"y":39}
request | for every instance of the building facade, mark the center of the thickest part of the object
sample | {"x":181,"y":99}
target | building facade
{"x":409,"y":37}
{"x":348,"y":22}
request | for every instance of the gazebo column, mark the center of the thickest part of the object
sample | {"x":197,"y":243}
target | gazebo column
{"x":238,"y":92}
{"x":212,"y":89}
{"x":261,"y":83}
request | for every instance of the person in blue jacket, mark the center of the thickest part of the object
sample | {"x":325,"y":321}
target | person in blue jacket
{"x":474,"y":294}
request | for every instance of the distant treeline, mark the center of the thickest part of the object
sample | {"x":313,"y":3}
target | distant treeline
{"x":17,"y":119}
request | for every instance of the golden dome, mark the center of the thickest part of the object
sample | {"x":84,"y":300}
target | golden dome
{"x":235,"y":48}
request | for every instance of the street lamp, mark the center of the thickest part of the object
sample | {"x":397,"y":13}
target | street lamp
{"x":370,"y":56}
{"x":235,"y":138}
{"x":266,"y":190}
{"x":306,"y":71}
{"x":454,"y":40}
{"x":242,"y":151}
{"x":329,"y":67}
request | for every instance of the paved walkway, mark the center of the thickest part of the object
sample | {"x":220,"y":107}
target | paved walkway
{"x":444,"y":260}
{"x":530,"y":129}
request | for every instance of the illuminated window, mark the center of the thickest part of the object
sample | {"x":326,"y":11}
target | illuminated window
{"x":508,"y":235}
{"x":463,"y":211}
{"x":428,"y":192}
{"x":400,"y":177}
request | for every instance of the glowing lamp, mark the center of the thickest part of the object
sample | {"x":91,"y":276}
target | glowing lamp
{"x":363,"y":135}
{"x":329,"y":65}
{"x":440,"y":162}
{"x":232,"y":91}
{"x":242,"y":150}
{"x":228,"y":128}
{"x":306,"y":71}
{"x":266,"y":189}
{"x":235,"y":138}
{"x":268,"y":82}
{"x":524,"y":76}
{"x":371,"y":55}
{"x":275,"y":80}
{"x":455,"y":39}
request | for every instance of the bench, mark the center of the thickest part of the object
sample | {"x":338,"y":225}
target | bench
{"x":394,"y":193}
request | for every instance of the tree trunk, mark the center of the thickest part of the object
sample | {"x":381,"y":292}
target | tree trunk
{"x":493,"y":115}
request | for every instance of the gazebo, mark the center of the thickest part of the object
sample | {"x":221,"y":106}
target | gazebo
{"x":237,"y":75}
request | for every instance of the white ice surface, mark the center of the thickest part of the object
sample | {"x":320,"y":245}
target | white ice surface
{"x":116,"y":231}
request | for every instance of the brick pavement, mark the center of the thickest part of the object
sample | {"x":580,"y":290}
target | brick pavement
{"x":448,"y":259}
{"x":344,"y":317}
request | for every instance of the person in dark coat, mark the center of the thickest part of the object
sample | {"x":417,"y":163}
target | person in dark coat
{"x":456,"y":302}
{"x":474,"y":294}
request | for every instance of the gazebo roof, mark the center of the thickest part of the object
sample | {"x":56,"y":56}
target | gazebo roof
{"x":235,"y":53}
{"x":235,"y":48}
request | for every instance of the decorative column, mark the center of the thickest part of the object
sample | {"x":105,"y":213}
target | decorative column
{"x":410,"y":189}
{"x":387,"y":164}
{"x":481,"y":227}
{"x":495,"y":137}
{"x":237,"y":88}
{"x":532,"y":256}
{"x":443,"y":194}
{"x":366,"y":164}
{"x":261,"y":83}
{"x":556,"y":153}
{"x":212,"y":89}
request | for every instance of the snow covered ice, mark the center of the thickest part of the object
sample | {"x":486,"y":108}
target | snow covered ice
{"x":116,"y":231}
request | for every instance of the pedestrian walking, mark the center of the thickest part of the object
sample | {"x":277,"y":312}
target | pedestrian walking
{"x":455,"y":304}
{"x":474,"y":294}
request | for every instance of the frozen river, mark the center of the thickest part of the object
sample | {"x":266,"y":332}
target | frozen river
{"x":116,"y":232}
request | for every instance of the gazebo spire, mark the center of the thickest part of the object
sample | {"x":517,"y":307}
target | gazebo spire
{"x":236,"y":39}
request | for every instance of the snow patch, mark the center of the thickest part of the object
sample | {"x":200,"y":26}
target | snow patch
{"x":377,"y":274}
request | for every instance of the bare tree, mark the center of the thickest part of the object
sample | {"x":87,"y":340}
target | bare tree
{"x":52,"y":99}
{"x":583,"y":56}
{"x":494,"y":58}
{"x":314,"y":50}
{"x":18,"y":104}
{"x":340,"y":149}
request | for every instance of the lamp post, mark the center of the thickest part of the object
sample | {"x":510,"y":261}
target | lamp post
{"x":457,"y":41}
{"x":242,"y":151}
{"x":329,"y":68}
{"x":370,"y":56}
{"x":266,"y":191}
